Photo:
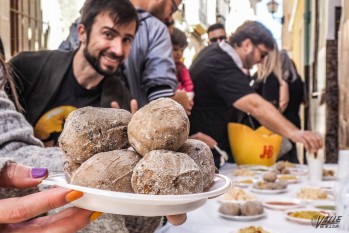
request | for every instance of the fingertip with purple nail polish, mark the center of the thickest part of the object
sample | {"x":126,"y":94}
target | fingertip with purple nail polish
{"x":39,"y":172}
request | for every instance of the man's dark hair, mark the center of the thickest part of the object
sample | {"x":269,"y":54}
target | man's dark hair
{"x":178,"y":38}
{"x":121,"y":12}
{"x":214,"y":27}
{"x":255,"y":31}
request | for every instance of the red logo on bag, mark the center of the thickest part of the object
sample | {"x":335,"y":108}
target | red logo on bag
{"x":267,"y":152}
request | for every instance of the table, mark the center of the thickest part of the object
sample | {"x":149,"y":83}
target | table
{"x":207,"y":220}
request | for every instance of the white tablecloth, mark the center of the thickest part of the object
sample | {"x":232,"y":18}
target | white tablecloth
{"x":206,"y":218}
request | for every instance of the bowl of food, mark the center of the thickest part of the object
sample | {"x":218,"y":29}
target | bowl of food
{"x":236,"y":195}
{"x":249,"y":211}
{"x":306,"y":216}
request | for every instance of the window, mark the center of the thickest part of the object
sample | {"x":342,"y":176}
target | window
{"x":28,"y":31}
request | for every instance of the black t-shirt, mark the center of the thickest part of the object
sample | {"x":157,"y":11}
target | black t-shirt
{"x":218,"y":83}
{"x":296,"y":97}
{"x":70,"y":96}
{"x":269,"y":90}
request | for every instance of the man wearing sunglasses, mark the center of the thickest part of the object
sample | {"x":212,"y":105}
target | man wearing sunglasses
{"x":221,"y":84}
{"x":216,"y":33}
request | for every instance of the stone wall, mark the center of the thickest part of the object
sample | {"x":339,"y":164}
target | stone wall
{"x":331,"y":100}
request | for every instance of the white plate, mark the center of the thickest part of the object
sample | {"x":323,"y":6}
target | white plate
{"x":238,"y":181}
{"x":140,"y":204}
{"x":303,"y":220}
{"x":334,"y":168}
{"x":277,"y":204}
{"x":329,"y":198}
{"x":242,"y":218}
{"x":256,"y":168}
{"x":289,"y":181}
{"x":299,"y":170}
{"x":328,"y":178}
{"x":236,"y":192}
{"x":269,"y":191}
{"x":222,"y":201}
{"x":265,"y":229}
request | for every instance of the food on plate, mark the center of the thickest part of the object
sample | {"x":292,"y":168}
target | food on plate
{"x":285,"y":171}
{"x":251,"y":208}
{"x":202,"y":155}
{"x":94,"y":142}
{"x":91,"y":130}
{"x":161,"y":124}
{"x":282,"y":167}
{"x":269,"y":176}
{"x":243,"y":181}
{"x":252,"y":229}
{"x":281,"y":203}
{"x":236,"y":194}
{"x":326,"y":207}
{"x":287,"y":177}
{"x":270,"y":185}
{"x":166,"y":173}
{"x":229,"y":208}
{"x":110,"y":170}
{"x":312,"y":193}
{"x":328,"y":172}
{"x":244,"y":172}
{"x":307,"y":214}
{"x":69,"y":167}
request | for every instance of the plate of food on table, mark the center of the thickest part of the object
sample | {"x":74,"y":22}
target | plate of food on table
{"x":236,"y":195}
{"x":313,"y":194}
{"x":255,"y":168}
{"x":243,"y":181}
{"x":252,"y":229}
{"x":285,"y":167}
{"x":329,"y":174}
{"x":269,"y":185}
{"x":306,"y":216}
{"x":248,"y":211}
{"x":244,"y":172}
{"x":283,"y":203}
{"x":291,"y":179}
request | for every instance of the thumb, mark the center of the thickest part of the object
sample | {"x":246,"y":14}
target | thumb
{"x":115,"y":104}
{"x":134,"y":106}
{"x":20,"y":176}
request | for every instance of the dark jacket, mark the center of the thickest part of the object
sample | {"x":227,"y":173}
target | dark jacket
{"x":40,"y":74}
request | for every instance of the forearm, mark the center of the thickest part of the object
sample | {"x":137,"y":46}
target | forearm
{"x":272,"y":119}
{"x":266,"y":114}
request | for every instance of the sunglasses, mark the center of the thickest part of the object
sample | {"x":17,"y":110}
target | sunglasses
{"x":263,"y":53}
{"x":217,"y":39}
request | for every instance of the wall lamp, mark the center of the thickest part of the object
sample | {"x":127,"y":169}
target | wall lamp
{"x":272,"y":8}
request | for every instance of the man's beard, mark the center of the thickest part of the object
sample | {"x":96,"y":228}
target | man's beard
{"x":94,"y":62}
{"x":158,"y":11}
{"x":248,"y":61}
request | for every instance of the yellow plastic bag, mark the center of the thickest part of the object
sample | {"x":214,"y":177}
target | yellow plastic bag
{"x":255,"y":147}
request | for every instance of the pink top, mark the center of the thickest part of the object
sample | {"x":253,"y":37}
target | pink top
{"x":183,"y":77}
